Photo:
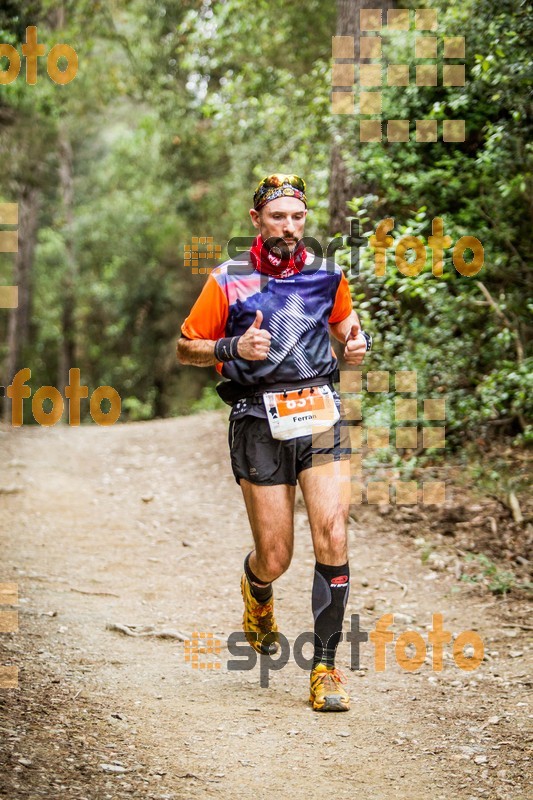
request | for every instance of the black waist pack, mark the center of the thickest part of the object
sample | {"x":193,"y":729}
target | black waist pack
{"x":231,"y":391}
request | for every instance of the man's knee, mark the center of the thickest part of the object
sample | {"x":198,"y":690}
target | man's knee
{"x":275,"y":562}
{"x":333,"y":539}
{"x":336,"y":545}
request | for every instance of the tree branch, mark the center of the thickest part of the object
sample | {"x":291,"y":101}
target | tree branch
{"x":492,"y":303}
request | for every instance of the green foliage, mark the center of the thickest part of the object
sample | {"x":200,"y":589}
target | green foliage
{"x":136,"y":409}
{"x":498,"y":478}
{"x":498,"y":581}
{"x":436,"y":327}
{"x":209,"y":401}
{"x":507,"y":393}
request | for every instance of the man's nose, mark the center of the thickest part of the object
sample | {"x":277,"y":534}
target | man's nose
{"x":289,"y":226}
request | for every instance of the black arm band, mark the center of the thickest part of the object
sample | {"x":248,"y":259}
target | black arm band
{"x":226,"y":349}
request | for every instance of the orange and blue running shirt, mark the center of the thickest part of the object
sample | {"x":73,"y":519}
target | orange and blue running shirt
{"x":296,"y":311}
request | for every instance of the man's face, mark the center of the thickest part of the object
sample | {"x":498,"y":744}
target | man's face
{"x":283,"y":217}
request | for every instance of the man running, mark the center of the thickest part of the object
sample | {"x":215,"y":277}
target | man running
{"x":264,"y":320}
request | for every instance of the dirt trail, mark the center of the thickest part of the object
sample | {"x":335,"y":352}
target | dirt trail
{"x":143,"y":524}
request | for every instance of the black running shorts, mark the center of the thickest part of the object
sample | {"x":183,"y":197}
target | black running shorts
{"x":259,"y":458}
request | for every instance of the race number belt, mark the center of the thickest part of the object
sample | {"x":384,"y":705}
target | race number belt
{"x":300,"y":412}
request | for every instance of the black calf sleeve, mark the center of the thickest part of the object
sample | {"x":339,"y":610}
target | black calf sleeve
{"x":331,"y":586}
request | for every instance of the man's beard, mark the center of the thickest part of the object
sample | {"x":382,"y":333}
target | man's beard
{"x":284,"y":248}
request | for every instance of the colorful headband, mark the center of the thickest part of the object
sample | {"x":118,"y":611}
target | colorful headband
{"x":279,"y":185}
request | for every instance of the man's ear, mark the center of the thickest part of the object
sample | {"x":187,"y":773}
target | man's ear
{"x":254,"y":217}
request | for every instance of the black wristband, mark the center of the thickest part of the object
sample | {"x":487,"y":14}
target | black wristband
{"x":226,"y":349}
{"x":368,"y":339}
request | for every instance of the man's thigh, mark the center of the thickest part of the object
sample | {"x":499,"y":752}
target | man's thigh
{"x":271,"y":514}
{"x":326,"y":491}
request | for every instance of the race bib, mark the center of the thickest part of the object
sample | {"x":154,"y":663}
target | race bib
{"x":300,"y":412}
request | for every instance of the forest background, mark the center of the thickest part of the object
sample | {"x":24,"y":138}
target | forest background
{"x":178,"y":109}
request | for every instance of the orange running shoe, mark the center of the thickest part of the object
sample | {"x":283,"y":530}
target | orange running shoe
{"x":258,"y":621}
{"x":327,"y":693}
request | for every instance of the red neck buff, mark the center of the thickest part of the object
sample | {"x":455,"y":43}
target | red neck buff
{"x":269,"y":261}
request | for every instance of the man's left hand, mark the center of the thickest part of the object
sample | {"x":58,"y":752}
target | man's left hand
{"x":355,"y":349}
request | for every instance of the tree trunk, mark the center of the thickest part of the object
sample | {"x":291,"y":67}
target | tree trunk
{"x":160,"y":402}
{"x":67,"y":351}
{"x":342,"y":186}
{"x":17,"y":331}
{"x":341,"y":189}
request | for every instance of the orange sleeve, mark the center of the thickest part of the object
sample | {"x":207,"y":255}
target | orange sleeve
{"x":209,"y":314}
{"x":342,"y":307}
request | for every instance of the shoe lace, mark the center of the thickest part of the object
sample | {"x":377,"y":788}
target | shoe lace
{"x":332,"y":678}
{"x":262,"y":610}
{"x":264,"y":615}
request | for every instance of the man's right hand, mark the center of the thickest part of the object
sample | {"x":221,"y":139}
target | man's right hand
{"x":254,"y":344}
